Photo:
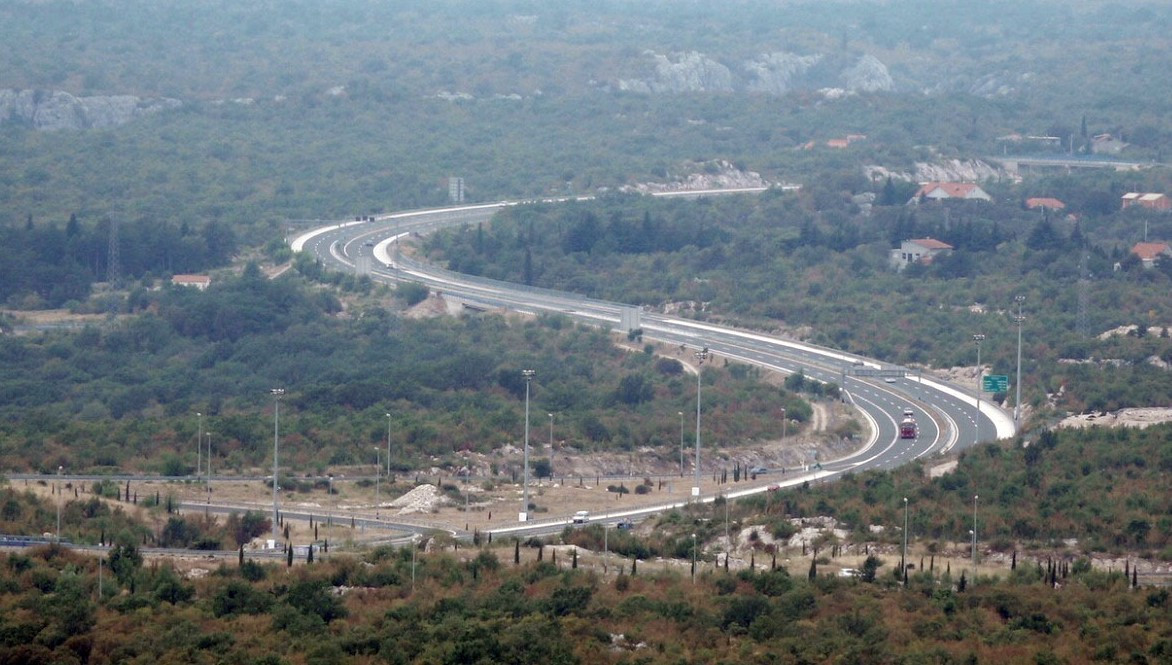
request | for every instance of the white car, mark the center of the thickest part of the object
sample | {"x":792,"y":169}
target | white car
{"x":582,"y":517}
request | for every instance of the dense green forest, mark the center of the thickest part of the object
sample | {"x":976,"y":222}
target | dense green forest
{"x":124,"y":395}
{"x":788,"y":261}
{"x":1103,"y":488}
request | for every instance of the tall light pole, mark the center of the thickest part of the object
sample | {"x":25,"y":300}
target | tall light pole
{"x":784,"y":422}
{"x":693,"y":558}
{"x":523,"y":516}
{"x":277,"y":393}
{"x":701,"y":356}
{"x":378,"y":465}
{"x":681,"y":443}
{"x":978,"y":338}
{"x":388,"y":447}
{"x":60,"y":488}
{"x":414,"y":547}
{"x":198,"y":444}
{"x":974,"y":529}
{"x":1017,"y":399}
{"x":903,"y":560}
{"x":550,"y":447}
{"x":209,"y":435}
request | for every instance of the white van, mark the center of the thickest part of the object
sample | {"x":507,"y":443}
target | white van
{"x":582,"y":517}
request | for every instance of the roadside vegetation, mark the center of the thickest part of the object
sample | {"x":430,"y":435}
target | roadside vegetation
{"x":1053,"y":604}
{"x":124,"y":395}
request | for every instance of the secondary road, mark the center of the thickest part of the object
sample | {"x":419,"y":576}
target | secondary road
{"x":947,"y":414}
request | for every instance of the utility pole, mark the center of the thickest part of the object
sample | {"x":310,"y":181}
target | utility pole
{"x":198,"y":445}
{"x":523,"y":516}
{"x":388,"y":447}
{"x":978,"y":338}
{"x":974,"y":531}
{"x":903,"y":560}
{"x":1017,"y":399}
{"x":701,"y":356}
{"x":277,"y":393}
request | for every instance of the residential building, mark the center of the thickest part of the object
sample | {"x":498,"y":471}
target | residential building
{"x":1151,"y":252}
{"x":1045,"y":203}
{"x":1105,"y":144}
{"x":200,"y":282}
{"x":939,"y":191}
{"x":918,"y":250}
{"x":1150,"y":200}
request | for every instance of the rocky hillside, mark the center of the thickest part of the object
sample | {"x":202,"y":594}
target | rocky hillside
{"x":50,"y":110}
{"x":775,"y":73}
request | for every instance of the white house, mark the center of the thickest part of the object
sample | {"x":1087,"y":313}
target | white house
{"x":918,"y":250}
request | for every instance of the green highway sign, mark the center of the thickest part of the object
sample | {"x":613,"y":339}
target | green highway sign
{"x":995,"y":383}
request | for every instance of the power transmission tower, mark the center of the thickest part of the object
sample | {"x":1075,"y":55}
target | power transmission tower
{"x":1081,"y":325}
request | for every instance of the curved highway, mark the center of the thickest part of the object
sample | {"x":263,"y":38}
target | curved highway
{"x":947,"y":414}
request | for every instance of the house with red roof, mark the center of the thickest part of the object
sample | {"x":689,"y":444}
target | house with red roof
{"x":200,"y":282}
{"x":918,"y":250}
{"x":1151,"y":252}
{"x":939,"y":191}
{"x":1044,"y":203}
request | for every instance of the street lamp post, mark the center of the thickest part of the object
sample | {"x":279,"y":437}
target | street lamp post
{"x":378,"y":465}
{"x":277,"y":393}
{"x":60,"y":488}
{"x":974,"y":529}
{"x":1017,"y":399}
{"x":388,"y":447}
{"x":978,"y":338}
{"x":198,"y":444}
{"x":414,"y":547}
{"x":209,"y":485}
{"x":523,"y":516}
{"x":681,"y":443}
{"x":550,"y":447}
{"x":903,"y":559}
{"x":701,"y":356}
{"x":693,"y":558}
{"x":784,"y":422}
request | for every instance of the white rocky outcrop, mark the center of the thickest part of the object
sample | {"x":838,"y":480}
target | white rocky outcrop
{"x":51,"y":110}
{"x":778,"y":73}
{"x":868,"y":75}
{"x":683,"y":72}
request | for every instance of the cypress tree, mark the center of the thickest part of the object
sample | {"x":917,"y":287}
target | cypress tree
{"x":288,"y":556}
{"x":574,"y":563}
{"x":634,"y":563}
{"x":309,"y":555}
{"x":240,"y":557}
{"x":517,"y":551}
{"x":540,"y":552}
{"x":813,"y":569}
